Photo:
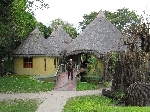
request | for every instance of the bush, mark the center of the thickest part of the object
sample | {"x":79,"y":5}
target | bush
{"x":94,"y":79}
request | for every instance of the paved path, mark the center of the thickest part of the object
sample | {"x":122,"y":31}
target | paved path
{"x":53,"y":101}
{"x":65,"y":84}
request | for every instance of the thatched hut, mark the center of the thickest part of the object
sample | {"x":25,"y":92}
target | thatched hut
{"x":99,"y":37}
{"x":61,"y":38}
{"x":37,"y":55}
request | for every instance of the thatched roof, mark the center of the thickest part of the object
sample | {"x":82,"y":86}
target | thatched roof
{"x":61,"y":35}
{"x":37,"y":45}
{"x":61,"y":40}
{"x":52,"y":47}
{"x":99,"y":37}
{"x":32,"y":46}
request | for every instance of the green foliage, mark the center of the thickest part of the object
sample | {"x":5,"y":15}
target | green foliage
{"x":16,"y":22}
{"x":95,"y":79}
{"x":15,"y":84}
{"x":114,"y":59}
{"x":22,"y":21}
{"x":81,"y":86}
{"x":31,"y":5}
{"x":19,"y":105}
{"x":93,"y":65}
{"x":69,"y":28}
{"x":93,"y":103}
{"x":123,"y":17}
{"x":120,"y":18}
{"x":15,"y":25}
{"x":98,"y":104}
{"x":9,"y":65}
{"x":106,"y":84}
{"x":87,"y":20}
{"x":5,"y":3}
{"x":119,"y":94}
{"x":46,"y":31}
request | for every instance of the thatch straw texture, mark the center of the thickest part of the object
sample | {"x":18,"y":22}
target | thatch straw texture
{"x":32,"y":46}
{"x":37,"y":45}
{"x":61,"y":40}
{"x":99,"y":37}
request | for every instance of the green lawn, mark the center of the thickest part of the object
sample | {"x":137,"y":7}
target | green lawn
{"x":81,"y":86}
{"x":97,"y":103}
{"x":19,"y":105}
{"x":18,"y":84}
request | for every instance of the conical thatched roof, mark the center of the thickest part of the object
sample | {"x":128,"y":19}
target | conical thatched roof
{"x":52,"y":47}
{"x":32,"y":46}
{"x":37,"y":45}
{"x":99,"y":37}
{"x":61,"y":35}
{"x":60,"y":39}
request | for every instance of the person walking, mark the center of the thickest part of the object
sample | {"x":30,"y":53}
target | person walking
{"x":70,"y":69}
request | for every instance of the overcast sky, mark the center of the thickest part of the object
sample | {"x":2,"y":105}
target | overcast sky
{"x":72,"y":11}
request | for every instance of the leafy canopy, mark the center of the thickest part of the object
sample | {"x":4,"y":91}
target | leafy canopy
{"x":16,"y":22}
{"x":120,"y":18}
{"x":69,"y":28}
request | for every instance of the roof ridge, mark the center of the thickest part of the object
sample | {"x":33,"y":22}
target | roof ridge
{"x":53,"y":34}
{"x":101,"y":14}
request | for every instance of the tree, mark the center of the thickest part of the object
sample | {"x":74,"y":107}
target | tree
{"x":15,"y":24}
{"x":20,"y":23}
{"x":5,"y":3}
{"x":69,"y":28}
{"x":139,"y":36}
{"x":32,"y":5}
{"x":87,"y":20}
{"x":120,"y":18}
{"x":46,"y":31}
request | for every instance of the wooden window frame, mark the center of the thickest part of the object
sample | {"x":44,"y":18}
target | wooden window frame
{"x":28,"y":62}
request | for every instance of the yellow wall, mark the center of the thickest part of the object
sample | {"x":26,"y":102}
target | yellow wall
{"x":100,"y":64}
{"x":38,"y":66}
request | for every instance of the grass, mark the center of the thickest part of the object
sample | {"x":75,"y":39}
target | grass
{"x":97,"y":103}
{"x":81,"y":86}
{"x":13,"y":84}
{"x":19,"y":105}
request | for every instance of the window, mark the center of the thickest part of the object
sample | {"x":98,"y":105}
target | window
{"x":28,"y":63}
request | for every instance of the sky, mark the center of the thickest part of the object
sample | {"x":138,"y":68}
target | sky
{"x":72,"y":11}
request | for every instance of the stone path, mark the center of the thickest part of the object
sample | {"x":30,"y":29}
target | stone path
{"x":53,"y":101}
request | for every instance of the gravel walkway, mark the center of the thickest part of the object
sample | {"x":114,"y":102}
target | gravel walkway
{"x":53,"y":101}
